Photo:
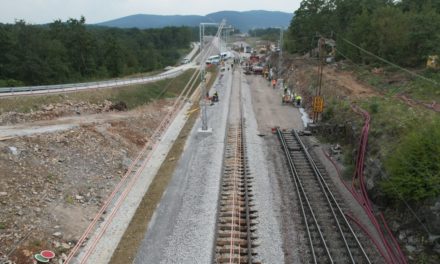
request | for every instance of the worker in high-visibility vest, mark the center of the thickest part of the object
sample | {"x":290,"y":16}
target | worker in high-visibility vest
{"x":298,"y":99}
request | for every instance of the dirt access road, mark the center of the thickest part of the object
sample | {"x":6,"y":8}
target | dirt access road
{"x":268,"y":108}
{"x":62,"y":124}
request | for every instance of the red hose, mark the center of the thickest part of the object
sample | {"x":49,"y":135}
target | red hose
{"x":338,"y":171}
{"x":362,"y":194}
{"x":365,"y":230}
{"x":402,"y":256}
{"x":359,"y":199}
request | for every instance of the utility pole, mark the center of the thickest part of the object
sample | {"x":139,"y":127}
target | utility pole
{"x":204,"y":56}
{"x":200,"y":37}
{"x":202,"y":33}
{"x":318,"y":101}
{"x":280,"y":58}
{"x":227,"y":32}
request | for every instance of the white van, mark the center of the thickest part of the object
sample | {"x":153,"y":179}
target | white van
{"x":226,"y":55}
{"x":213,"y":59}
{"x":185,"y":61}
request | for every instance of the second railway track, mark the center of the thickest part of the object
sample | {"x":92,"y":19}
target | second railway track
{"x":330,"y":237}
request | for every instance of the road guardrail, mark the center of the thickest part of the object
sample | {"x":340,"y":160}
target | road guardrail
{"x":57,"y":88}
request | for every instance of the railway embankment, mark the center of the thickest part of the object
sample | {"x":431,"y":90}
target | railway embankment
{"x":401,"y":164}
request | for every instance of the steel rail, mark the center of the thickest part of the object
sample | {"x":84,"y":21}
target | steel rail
{"x":246,"y":184}
{"x":236,"y":186}
{"x":234,"y":178}
{"x":337,"y":213}
{"x":327,"y":193}
{"x":301,"y":190}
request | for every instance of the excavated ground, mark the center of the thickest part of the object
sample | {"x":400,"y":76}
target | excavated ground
{"x":54,"y":177}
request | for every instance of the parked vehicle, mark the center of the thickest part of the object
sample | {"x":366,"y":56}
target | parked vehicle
{"x":257,"y":69}
{"x":185,"y":61}
{"x":226,"y":55}
{"x":213,"y":60}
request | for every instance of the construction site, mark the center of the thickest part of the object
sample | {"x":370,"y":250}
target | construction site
{"x":238,"y":164}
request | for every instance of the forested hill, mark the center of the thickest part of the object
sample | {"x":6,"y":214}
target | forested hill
{"x":405,"y":32}
{"x":70,"y":51}
{"x":242,"y":20}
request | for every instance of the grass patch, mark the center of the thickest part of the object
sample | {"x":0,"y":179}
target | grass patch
{"x":393,"y":81}
{"x":423,"y":90}
{"x":391,"y":119}
{"x":133,"y":96}
{"x":213,"y":70}
{"x":142,"y":74}
{"x":69,"y":199}
{"x":36,"y":243}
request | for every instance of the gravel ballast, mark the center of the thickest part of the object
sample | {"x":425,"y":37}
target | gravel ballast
{"x":183,"y":226}
{"x":268,"y":230}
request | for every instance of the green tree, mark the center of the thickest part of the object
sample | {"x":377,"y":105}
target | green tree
{"x":115,"y":58}
{"x":71,"y":51}
{"x":360,"y":30}
{"x":424,"y":37}
{"x":418,"y":5}
{"x":390,"y":28}
{"x":414,"y":167}
{"x":6,"y":52}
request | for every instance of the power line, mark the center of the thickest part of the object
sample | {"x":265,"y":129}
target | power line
{"x":392,"y":64}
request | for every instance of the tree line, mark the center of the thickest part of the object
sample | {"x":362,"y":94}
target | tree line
{"x":71,"y":51}
{"x":404,"y":32}
{"x":271,"y":34}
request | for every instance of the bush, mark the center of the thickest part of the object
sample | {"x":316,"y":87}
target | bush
{"x":374,"y":107}
{"x":414,"y":167}
{"x":10,"y":83}
{"x":329,"y":113}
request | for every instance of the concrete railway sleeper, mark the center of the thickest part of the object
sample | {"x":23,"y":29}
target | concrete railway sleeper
{"x":330,"y":236}
{"x":235,"y":217}
{"x":236,"y":222}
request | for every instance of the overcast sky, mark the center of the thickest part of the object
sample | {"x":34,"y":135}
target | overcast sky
{"x":44,"y":11}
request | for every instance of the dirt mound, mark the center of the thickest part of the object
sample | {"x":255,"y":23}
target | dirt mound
{"x":302,"y":76}
{"x":346,"y":83}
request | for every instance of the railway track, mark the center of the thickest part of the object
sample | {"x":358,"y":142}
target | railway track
{"x":236,"y":218}
{"x":330,"y":237}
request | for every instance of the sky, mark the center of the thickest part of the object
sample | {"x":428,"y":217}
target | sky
{"x":45,"y":11}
